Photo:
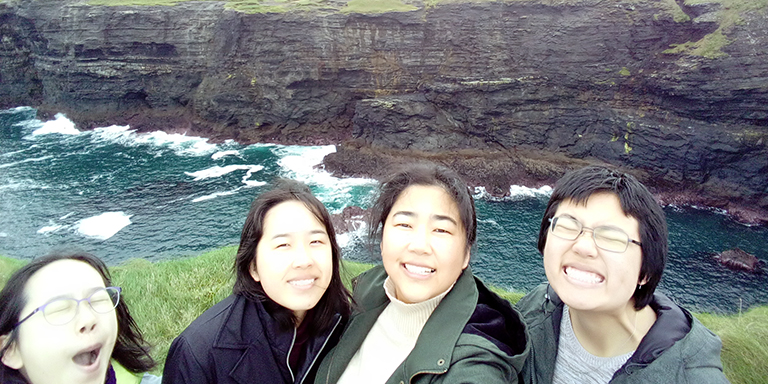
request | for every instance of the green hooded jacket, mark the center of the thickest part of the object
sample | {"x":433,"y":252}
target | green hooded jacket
{"x":677,"y":348}
{"x":473,"y":336}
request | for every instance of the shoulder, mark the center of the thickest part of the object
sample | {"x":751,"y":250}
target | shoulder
{"x":208,"y":323}
{"x":368,"y":288}
{"x":534,"y":302}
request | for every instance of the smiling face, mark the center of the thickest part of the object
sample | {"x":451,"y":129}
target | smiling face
{"x":76,"y":352}
{"x":423,"y":245}
{"x":293,"y":258}
{"x":584,"y":276}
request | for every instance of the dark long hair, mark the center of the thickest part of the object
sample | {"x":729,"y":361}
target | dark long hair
{"x":636,"y":202}
{"x":425,"y":174}
{"x":335,"y":300}
{"x":131,"y":350}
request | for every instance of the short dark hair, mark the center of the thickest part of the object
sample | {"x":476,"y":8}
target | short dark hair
{"x":336,"y":298}
{"x":426,"y":174}
{"x":131,"y":350}
{"x":636,"y":202}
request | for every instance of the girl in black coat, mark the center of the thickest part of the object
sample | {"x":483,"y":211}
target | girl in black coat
{"x":288,"y":304}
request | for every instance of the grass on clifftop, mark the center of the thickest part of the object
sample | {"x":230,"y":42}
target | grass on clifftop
{"x":164,"y":297}
{"x":729,"y":15}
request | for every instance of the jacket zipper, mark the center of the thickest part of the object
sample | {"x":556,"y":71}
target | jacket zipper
{"x":321,"y":349}
{"x":288,"y":358}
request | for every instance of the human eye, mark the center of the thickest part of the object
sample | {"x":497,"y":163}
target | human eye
{"x":566,"y":225}
{"x":101,"y":301}
{"x":402,"y":225}
{"x":282,"y":245}
{"x":58,"y":307}
{"x":611,"y":238}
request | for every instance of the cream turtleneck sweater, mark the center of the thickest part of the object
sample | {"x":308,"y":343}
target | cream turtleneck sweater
{"x":391,"y":339}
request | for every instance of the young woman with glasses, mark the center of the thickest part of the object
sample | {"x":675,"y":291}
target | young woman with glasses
{"x":422,"y":317}
{"x":598,"y":320}
{"x":288,"y":304}
{"x":62,"y":321}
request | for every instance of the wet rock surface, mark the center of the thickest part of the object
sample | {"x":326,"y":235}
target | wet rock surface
{"x":738,"y":259}
{"x":506,"y":92}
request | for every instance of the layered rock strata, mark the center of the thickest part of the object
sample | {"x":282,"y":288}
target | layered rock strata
{"x":509,"y":92}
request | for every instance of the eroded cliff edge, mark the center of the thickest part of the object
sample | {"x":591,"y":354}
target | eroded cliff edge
{"x":509,"y":92}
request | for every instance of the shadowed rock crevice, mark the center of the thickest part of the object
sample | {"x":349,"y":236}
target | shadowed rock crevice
{"x":512,"y":92}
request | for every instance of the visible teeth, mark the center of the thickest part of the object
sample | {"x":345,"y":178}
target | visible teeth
{"x":418,"y":270}
{"x":301,"y":282}
{"x":584,"y":276}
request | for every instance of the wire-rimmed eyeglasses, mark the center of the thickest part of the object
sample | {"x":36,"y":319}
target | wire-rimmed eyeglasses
{"x":607,"y":238}
{"x":61,"y":311}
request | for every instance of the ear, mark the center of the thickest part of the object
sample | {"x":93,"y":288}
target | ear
{"x":11,"y":357}
{"x":254,"y":274}
{"x":466,"y":260}
{"x":643,"y":281}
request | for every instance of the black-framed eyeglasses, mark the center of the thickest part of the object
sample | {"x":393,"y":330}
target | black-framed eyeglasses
{"x":62,"y":311}
{"x":607,"y":238}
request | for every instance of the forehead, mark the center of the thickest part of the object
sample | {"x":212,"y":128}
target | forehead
{"x":426,"y":198}
{"x":290,"y":216}
{"x":599,"y":208}
{"x":62,"y":277}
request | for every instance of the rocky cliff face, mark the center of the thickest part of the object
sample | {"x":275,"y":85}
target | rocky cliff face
{"x":507,"y":91}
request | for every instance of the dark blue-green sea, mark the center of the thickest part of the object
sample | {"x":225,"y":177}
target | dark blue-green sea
{"x":121,"y":194}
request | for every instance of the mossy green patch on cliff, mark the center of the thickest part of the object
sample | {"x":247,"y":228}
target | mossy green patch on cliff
{"x":729,"y":15}
{"x":377,"y":6}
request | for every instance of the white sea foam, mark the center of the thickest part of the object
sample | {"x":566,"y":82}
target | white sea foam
{"x":183,"y":145}
{"x":30,"y":160}
{"x":220,"y":154}
{"x":214,"y":195}
{"x":217,"y":171}
{"x":519,"y":190}
{"x":60,"y":124}
{"x":354,"y":237}
{"x":49,"y":229}
{"x":516,"y":193}
{"x":16,"y":110}
{"x":103,"y":226}
{"x":300,"y":163}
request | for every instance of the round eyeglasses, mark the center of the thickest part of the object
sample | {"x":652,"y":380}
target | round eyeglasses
{"x":62,"y":311}
{"x":607,"y":238}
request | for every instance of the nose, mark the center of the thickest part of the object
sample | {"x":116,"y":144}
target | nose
{"x":86,"y":318}
{"x":419,"y":241}
{"x":302,"y":257}
{"x":585,"y":244}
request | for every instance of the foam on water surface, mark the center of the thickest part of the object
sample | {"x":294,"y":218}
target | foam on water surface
{"x":103,"y":226}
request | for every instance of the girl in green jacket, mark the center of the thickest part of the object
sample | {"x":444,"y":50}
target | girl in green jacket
{"x":598,"y":320}
{"x":422,"y":317}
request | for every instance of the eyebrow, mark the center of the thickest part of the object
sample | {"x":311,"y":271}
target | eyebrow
{"x":433,"y":216}
{"x":312,"y":232}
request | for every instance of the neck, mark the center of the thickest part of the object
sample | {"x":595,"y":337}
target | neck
{"x":612,"y":334}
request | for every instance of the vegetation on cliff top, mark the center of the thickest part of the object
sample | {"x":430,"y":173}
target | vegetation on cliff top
{"x":728,"y":15}
{"x":165,"y":297}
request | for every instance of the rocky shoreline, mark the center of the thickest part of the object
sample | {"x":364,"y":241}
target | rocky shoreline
{"x":506,"y":92}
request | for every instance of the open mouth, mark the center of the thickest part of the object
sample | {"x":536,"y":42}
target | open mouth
{"x":582,"y":276}
{"x":416,"y":270}
{"x":88,"y":357}
{"x":302,"y":283}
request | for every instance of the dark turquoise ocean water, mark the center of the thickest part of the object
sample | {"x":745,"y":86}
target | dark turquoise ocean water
{"x":122,"y":195}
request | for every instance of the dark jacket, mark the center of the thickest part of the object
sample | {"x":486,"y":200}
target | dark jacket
{"x":237,"y":341}
{"x":473,"y":336}
{"x":677,"y":348}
